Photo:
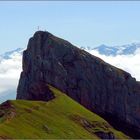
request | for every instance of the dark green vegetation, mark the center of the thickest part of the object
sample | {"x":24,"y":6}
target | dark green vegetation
{"x":60,"y":117}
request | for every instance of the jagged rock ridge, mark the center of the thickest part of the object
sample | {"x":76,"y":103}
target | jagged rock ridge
{"x":98,"y":86}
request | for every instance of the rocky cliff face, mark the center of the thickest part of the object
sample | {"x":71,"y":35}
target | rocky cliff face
{"x":98,"y":86}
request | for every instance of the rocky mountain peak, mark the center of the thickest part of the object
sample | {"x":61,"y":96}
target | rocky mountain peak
{"x":98,"y":86}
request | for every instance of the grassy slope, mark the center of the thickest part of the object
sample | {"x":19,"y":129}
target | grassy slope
{"x":59,"y":118}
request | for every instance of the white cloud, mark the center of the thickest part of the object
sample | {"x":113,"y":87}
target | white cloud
{"x":9,"y":75}
{"x":129,"y":63}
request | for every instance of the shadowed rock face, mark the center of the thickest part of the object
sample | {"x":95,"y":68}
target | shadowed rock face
{"x":98,"y":86}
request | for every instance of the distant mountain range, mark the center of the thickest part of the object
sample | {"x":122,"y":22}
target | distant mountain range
{"x":102,"y":49}
{"x":115,"y":50}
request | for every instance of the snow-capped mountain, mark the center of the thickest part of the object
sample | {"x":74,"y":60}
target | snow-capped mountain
{"x":102,"y":49}
{"x":115,"y":50}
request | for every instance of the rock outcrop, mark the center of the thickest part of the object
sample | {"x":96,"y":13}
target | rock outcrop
{"x":95,"y":84}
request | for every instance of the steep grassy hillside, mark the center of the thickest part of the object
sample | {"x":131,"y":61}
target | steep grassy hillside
{"x":59,"y":118}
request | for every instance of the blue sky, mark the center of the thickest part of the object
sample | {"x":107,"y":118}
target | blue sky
{"x":83,"y":23}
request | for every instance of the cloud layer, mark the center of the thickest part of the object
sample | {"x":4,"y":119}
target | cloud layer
{"x":9,"y":75}
{"x":10,"y":70}
{"x":129,"y":63}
